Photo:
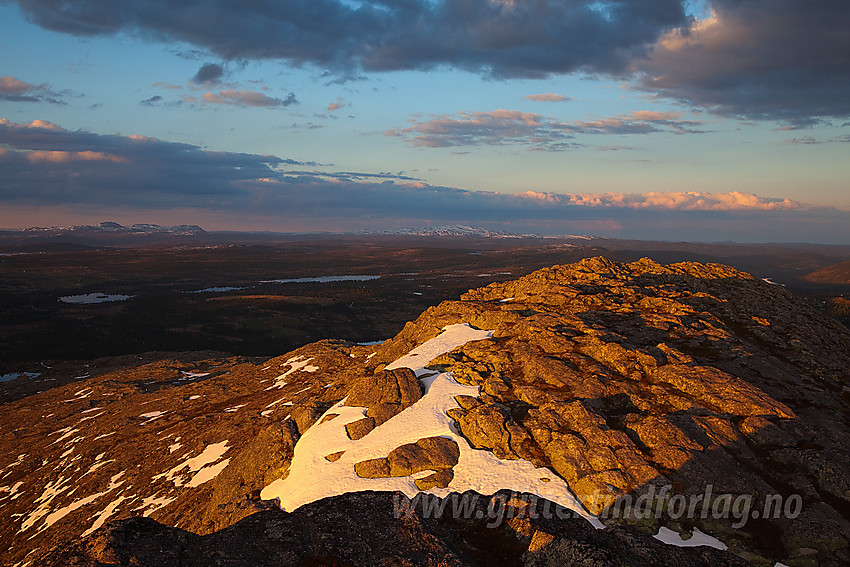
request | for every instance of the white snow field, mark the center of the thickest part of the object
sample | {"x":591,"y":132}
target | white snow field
{"x":312,"y":477}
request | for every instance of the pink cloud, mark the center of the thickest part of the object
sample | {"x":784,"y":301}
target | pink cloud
{"x":501,"y":126}
{"x":45,"y":125}
{"x":16,"y":90}
{"x":11,"y":85}
{"x":547,"y":97}
{"x":41,"y":124}
{"x":246,"y":98}
{"x":673,"y":200}
{"x":336,"y":105}
{"x":41,"y":156}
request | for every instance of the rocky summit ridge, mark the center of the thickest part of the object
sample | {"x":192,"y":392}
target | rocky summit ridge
{"x":682,"y":401}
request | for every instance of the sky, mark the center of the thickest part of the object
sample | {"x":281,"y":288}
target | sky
{"x":702,"y":120}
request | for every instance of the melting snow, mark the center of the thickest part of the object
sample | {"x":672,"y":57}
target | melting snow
{"x":104,"y":514}
{"x":12,"y":490}
{"x":95,"y":416}
{"x":452,"y":337}
{"x":189,"y":375}
{"x":312,"y":477}
{"x":205,"y":466}
{"x":152,"y":416}
{"x":324,"y":279}
{"x":670,"y":537}
{"x":207,"y":473}
{"x":66,"y":432}
{"x":232,"y":409}
{"x":153,"y":503}
{"x":93,"y":298}
{"x":98,"y":464}
{"x":295,"y":363}
{"x":217,"y":289}
{"x":80,"y":395}
{"x":52,"y":490}
{"x":274,"y":403}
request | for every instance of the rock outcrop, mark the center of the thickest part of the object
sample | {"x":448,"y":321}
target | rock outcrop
{"x":689,"y":397}
{"x":365,"y":529}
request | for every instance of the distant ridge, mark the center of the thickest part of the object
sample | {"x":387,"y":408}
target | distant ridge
{"x":836,"y":274}
{"x":464,"y":230}
{"x":114,"y":227}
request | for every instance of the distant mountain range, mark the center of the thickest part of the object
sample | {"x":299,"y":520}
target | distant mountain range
{"x":463,"y":230}
{"x":456,"y":230}
{"x":114,"y":227}
{"x":193,"y":230}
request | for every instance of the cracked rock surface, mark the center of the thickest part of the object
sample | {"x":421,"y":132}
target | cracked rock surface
{"x":633,"y":382}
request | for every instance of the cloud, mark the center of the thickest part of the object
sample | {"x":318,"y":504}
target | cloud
{"x":756,"y":59}
{"x":46,"y":166}
{"x":15,"y":90}
{"x":670,"y":201}
{"x":547,"y":97}
{"x":759,"y":59}
{"x":169,"y":86}
{"x":209,"y":73}
{"x":336,"y":105}
{"x":504,"y":127}
{"x":151,"y":101}
{"x":39,"y":156}
{"x":503,"y":39}
{"x":247,"y":98}
{"x":45,"y":163}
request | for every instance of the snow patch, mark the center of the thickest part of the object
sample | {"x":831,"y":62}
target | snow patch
{"x":205,"y":466}
{"x":95,"y":416}
{"x":218,"y":289}
{"x":295,"y":363}
{"x":324,"y":279}
{"x":312,"y":477}
{"x":104,"y":514}
{"x":12,"y":490}
{"x":452,"y":337}
{"x":668,"y":536}
{"x":66,"y":432}
{"x":93,"y":298}
{"x":152,"y":416}
{"x":190,"y":375}
{"x":153,"y":503}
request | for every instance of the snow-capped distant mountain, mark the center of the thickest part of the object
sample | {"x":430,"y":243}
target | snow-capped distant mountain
{"x":114,"y":227}
{"x":456,"y":230}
